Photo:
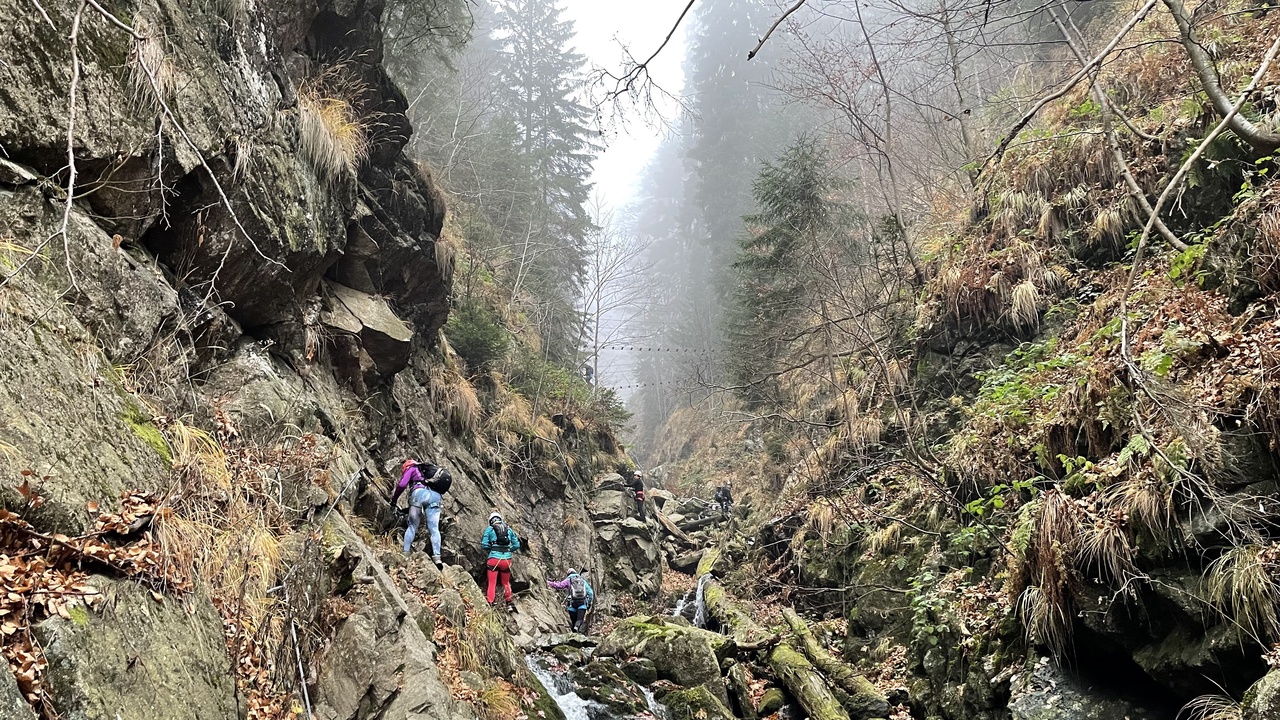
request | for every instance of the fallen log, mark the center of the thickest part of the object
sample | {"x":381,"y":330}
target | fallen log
{"x":699,"y":523}
{"x":864,"y":700}
{"x":687,"y":562}
{"x":674,"y":531}
{"x":805,"y":684}
{"x":745,"y":632}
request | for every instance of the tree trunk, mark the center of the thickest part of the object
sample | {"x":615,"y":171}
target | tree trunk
{"x":805,"y":684}
{"x":1261,"y":139}
{"x":864,"y":700}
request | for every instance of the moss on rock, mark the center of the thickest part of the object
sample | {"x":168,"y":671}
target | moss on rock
{"x":697,"y":703}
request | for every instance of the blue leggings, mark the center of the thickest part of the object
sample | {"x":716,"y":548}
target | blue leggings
{"x":433,"y":526}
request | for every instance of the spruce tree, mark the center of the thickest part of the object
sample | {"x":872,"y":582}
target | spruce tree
{"x":539,"y":77}
{"x":779,"y":281}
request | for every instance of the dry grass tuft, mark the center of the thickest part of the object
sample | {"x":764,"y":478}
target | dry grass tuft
{"x":1044,"y":606}
{"x":822,"y":518}
{"x":885,"y":541}
{"x":1147,"y":502}
{"x":333,"y":129}
{"x":1045,"y":619}
{"x":1025,"y":308}
{"x":1243,"y":584}
{"x":1104,"y":545}
{"x":499,"y":701}
{"x":455,"y":397}
{"x":1108,"y":226}
{"x":151,"y":72}
{"x":235,"y":12}
{"x":1212,"y":707}
{"x":12,"y":254}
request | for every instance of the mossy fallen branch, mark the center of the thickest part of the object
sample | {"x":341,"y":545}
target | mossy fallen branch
{"x":747,"y":635}
{"x":864,"y":700}
{"x":805,"y":683}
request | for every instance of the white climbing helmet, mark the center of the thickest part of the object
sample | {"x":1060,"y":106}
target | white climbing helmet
{"x":494,"y":516}
{"x":572,"y":571}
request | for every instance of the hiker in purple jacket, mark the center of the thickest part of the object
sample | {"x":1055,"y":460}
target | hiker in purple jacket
{"x":579,"y":597}
{"x":422,"y":500}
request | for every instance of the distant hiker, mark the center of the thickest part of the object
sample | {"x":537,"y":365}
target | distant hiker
{"x":499,"y":541}
{"x":579,"y":597}
{"x":724,"y":497}
{"x":636,"y":483}
{"x":425,"y":483}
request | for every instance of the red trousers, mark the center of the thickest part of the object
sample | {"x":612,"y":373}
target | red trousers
{"x":499,"y":570}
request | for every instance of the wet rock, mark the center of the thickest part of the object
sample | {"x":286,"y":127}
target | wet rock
{"x":738,"y":683}
{"x":773,"y":700}
{"x":1049,"y":693}
{"x":684,"y":655}
{"x":15,"y":174}
{"x":686,"y":562}
{"x":641,"y":670}
{"x":379,"y":663}
{"x":12,"y":705}
{"x":697,"y":703}
{"x":142,"y":659}
{"x":608,"y":505}
{"x":569,"y":655}
{"x":573,"y":640}
{"x":68,"y":414}
{"x":381,"y":340}
{"x":1262,"y":701}
{"x":604,"y":683}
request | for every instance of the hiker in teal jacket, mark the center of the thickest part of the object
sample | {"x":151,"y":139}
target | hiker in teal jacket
{"x":500,"y":542}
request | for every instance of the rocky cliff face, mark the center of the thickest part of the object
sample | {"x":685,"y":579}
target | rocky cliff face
{"x":225,"y":266}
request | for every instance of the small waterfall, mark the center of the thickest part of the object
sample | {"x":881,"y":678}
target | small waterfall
{"x":700,"y":605}
{"x":657,"y":709}
{"x":680,"y":605}
{"x":560,"y":690}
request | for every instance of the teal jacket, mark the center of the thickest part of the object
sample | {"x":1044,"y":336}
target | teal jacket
{"x":490,"y":542}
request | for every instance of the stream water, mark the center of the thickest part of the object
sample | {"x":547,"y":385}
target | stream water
{"x":699,"y":605}
{"x":561,"y":688}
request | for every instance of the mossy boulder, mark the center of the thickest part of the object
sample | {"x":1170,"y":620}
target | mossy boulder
{"x":641,"y":670}
{"x":697,"y":703}
{"x":684,"y":655}
{"x":771,"y":701}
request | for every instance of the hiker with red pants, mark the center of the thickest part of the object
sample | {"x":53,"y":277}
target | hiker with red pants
{"x":500,"y":542}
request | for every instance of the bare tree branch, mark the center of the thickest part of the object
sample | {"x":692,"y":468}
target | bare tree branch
{"x":1177,"y":181}
{"x":773,"y":27}
{"x":1066,"y":88}
{"x":633,"y":75}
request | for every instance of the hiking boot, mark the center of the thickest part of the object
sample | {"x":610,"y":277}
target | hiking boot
{"x":511,"y":607}
{"x":439,"y":565}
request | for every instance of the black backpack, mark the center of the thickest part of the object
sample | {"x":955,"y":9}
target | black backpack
{"x":502,"y":534}
{"x":440,"y":481}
